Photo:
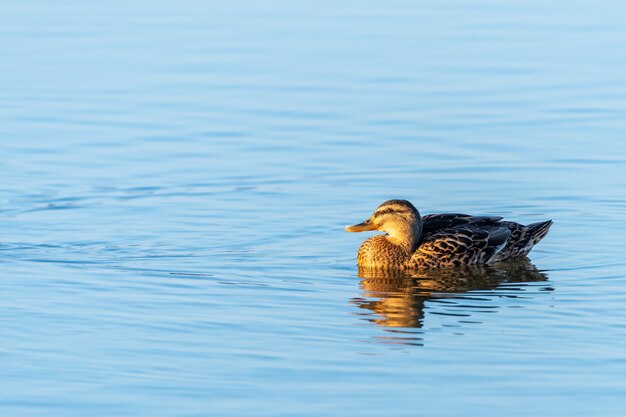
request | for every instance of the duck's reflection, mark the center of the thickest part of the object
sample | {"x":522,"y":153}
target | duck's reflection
{"x":398,"y":298}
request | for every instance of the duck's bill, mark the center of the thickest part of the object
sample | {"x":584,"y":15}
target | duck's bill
{"x":361,"y":227}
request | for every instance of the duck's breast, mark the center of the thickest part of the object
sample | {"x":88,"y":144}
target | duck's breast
{"x":379,"y":252}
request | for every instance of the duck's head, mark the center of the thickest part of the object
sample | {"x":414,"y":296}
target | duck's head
{"x":398,"y":218}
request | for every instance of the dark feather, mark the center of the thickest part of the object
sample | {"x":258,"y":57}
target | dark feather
{"x":522,"y":239}
{"x":435,"y":222}
{"x":461,"y":245}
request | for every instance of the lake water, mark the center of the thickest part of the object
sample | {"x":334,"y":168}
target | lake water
{"x":176,"y":177}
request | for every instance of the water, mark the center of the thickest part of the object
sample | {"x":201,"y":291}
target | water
{"x":176,"y":178}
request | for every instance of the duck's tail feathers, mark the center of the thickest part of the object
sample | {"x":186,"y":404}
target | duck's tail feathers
{"x":536,"y":232}
{"x":522,"y":240}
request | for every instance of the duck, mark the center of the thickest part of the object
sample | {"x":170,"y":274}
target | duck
{"x":413,"y":242}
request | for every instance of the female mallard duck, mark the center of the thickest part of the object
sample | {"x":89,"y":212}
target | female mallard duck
{"x":441,"y":240}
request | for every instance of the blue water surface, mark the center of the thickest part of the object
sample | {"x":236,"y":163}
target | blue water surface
{"x":176,"y":177}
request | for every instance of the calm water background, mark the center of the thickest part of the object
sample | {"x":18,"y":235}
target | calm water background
{"x":176,"y":178}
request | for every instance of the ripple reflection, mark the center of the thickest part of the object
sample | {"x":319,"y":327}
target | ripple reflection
{"x":394,"y":299}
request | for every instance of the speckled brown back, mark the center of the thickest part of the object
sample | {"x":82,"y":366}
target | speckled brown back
{"x":379,"y":252}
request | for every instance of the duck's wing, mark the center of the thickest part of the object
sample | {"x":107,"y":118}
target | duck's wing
{"x":461,"y":245}
{"x":433,"y":223}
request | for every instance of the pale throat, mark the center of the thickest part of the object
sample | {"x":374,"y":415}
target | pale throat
{"x":405,"y":235}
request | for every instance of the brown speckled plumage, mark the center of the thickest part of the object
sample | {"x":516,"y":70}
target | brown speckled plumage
{"x":441,"y":240}
{"x":379,"y":252}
